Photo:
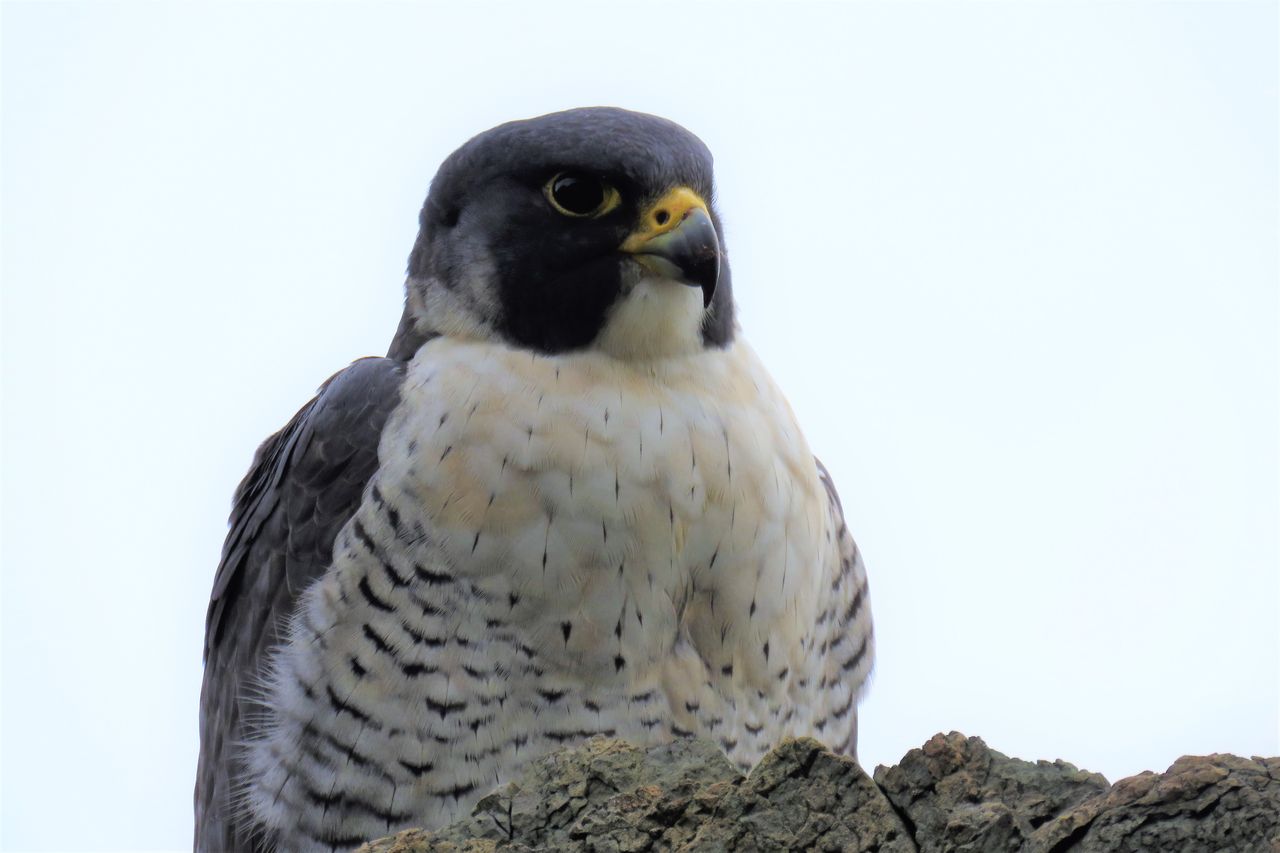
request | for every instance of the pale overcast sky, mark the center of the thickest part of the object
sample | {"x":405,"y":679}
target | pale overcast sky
{"x":1015,"y":265}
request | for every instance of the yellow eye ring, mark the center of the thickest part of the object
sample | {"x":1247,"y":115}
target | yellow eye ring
{"x":580,"y":195}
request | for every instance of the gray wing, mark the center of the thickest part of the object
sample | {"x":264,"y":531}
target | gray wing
{"x":306,"y":481}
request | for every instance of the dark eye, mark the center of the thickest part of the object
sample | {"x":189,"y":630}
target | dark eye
{"x":578,"y":194}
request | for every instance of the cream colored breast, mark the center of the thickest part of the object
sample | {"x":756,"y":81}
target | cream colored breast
{"x":626,"y":504}
{"x":554,"y":548}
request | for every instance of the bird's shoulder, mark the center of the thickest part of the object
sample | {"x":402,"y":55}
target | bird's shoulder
{"x":311,"y":472}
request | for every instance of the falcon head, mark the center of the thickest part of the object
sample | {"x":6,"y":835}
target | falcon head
{"x":590,"y":228}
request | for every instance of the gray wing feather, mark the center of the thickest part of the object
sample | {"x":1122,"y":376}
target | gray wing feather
{"x":306,"y":481}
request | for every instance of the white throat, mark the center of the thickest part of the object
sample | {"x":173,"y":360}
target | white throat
{"x":658,"y":318}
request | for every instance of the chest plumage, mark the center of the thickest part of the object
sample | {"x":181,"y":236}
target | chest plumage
{"x":554,"y":547}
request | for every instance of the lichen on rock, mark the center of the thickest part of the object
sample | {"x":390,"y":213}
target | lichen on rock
{"x":953,"y":794}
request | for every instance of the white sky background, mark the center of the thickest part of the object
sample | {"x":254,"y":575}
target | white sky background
{"x":1016,"y":267}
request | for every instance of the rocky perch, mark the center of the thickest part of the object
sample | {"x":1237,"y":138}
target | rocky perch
{"x":952,"y":794}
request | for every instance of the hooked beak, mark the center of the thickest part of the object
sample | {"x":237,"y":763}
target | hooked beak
{"x":677,"y":240}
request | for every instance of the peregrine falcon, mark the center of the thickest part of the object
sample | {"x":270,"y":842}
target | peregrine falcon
{"x":569,"y":501}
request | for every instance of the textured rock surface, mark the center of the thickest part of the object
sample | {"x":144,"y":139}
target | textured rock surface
{"x":955,"y":793}
{"x":1201,"y":803}
{"x":952,"y":794}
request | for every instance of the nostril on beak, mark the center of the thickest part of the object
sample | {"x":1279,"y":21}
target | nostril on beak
{"x":661,"y":217}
